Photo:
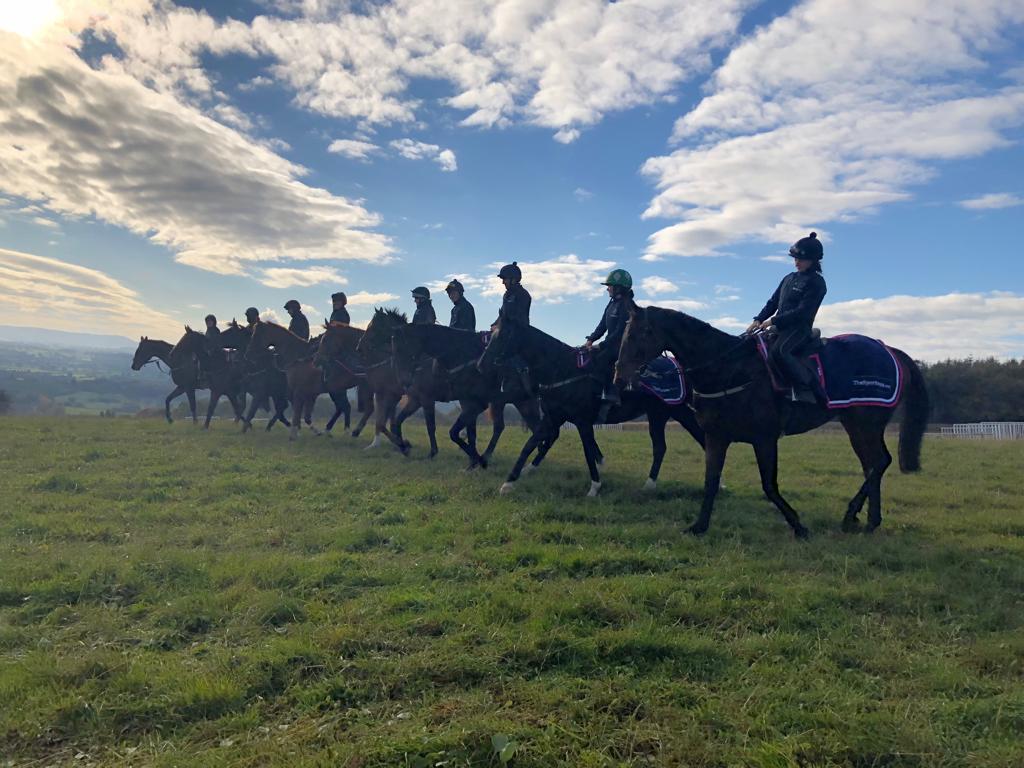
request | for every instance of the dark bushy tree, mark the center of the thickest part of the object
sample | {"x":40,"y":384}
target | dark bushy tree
{"x":976,"y":390}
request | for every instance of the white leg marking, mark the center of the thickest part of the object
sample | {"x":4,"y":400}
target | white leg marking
{"x":595,"y":486}
{"x":650,"y":485}
{"x":507,"y":487}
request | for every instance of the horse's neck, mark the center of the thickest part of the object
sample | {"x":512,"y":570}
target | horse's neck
{"x":289,"y":346}
{"x":162,"y":351}
{"x":696,"y":344}
{"x":546,"y":355}
{"x":442,"y":344}
{"x":350,"y":338}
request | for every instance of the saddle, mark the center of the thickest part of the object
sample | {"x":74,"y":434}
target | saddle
{"x":805,"y":355}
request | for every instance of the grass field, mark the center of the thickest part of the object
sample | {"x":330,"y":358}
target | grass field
{"x":171,"y":597}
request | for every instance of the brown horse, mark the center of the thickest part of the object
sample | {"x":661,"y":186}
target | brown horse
{"x":222,"y":376}
{"x":183,"y":369}
{"x":379,"y":387}
{"x":304,"y":379}
{"x":735,"y":402}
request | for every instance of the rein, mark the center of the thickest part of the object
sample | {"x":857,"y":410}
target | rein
{"x":563,"y":382}
{"x":719,"y":358}
{"x":722,"y":393}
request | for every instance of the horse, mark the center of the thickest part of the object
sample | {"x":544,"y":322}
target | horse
{"x":183,"y":369}
{"x":569,"y":393}
{"x":262,"y":378}
{"x":735,"y":401}
{"x":378,"y":387}
{"x":456,"y":353}
{"x":222,"y":377}
{"x":421,"y":392}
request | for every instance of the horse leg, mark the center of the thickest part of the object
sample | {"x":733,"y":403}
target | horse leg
{"x":464,"y":445}
{"x":767,"y":452}
{"x":497,"y":427}
{"x":298,"y":403}
{"x":590,"y":452}
{"x":715,"y":449}
{"x":337,"y":410}
{"x":430,"y":416}
{"x":191,"y":395}
{"x":411,"y":406}
{"x":870,"y":447}
{"x":551,"y":437}
{"x":656,"y":429}
{"x":531,"y":442}
{"x":310,"y":405}
{"x":367,"y":413}
{"x":214,"y":399}
{"x":178,"y":391}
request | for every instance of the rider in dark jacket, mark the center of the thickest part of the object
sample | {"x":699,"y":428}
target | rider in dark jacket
{"x":212,"y":332}
{"x":515,"y":304}
{"x":424,"y":314}
{"x":252,"y":315}
{"x":299,"y":324}
{"x":339,"y":314}
{"x":791,"y":311}
{"x":613,"y":323}
{"x":463,"y":315}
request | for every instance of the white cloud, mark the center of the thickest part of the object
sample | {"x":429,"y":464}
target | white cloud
{"x":273,"y":316}
{"x":682,"y":305}
{"x":993,"y":200}
{"x":780,"y":146}
{"x":778,"y":259}
{"x":582,"y":194}
{"x":50,"y":293}
{"x":363,"y":298}
{"x":935,"y":327}
{"x":655,"y":285}
{"x":560,"y":65}
{"x":360,"y":150}
{"x":288,"y":277}
{"x":86,"y":142}
{"x":421,"y":150}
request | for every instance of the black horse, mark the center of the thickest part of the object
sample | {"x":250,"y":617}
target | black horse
{"x":222,"y":376}
{"x":262,"y":379}
{"x":456,"y":353}
{"x":184,"y":371}
{"x":735,"y":402}
{"x":571,"y":394}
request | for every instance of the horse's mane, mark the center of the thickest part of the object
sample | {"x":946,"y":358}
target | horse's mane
{"x":694,"y":323}
{"x":462,"y":341}
{"x":391,"y":313}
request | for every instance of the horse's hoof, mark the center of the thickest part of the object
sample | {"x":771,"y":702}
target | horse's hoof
{"x":595,"y":486}
{"x":871,"y":527}
{"x":650,"y":485}
{"x":801,"y":533}
{"x":507,"y":487}
{"x":696,"y":530}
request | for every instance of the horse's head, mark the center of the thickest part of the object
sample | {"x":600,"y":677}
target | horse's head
{"x":382,"y":325}
{"x":143,"y":354}
{"x":640,"y":342}
{"x":234,"y":336}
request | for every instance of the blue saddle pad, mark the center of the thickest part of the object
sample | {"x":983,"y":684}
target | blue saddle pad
{"x":855,"y":370}
{"x":663,"y":378}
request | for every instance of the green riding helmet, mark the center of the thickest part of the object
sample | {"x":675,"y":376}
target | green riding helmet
{"x":619,"y":278}
{"x":420,"y":292}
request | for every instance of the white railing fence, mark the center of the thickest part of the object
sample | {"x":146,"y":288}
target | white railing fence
{"x":986,"y":430}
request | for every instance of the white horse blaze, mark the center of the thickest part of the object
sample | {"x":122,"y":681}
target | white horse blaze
{"x":595,"y":486}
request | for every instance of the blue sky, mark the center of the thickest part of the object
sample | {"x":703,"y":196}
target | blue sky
{"x":161,"y":160}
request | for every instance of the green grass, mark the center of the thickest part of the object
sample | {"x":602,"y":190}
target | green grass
{"x":174,"y":597}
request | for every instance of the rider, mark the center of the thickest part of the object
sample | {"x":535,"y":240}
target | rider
{"x":212,"y":332}
{"x":339,"y":313}
{"x":463,"y":314}
{"x":790,"y":312}
{"x":514,"y":315}
{"x":299,"y":324}
{"x":424,"y":314}
{"x":613,"y":323}
{"x":252,"y":316}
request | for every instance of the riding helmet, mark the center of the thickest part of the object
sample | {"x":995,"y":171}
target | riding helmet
{"x":511,"y":272}
{"x":208,"y":318}
{"x":252,"y":314}
{"x":339,"y":296}
{"x":420,"y":292}
{"x":808,"y":248}
{"x":292,"y":304}
{"x":619,"y":278}
{"x":454,"y":285}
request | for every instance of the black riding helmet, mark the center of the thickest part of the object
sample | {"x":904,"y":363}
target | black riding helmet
{"x":454,"y":285}
{"x":208,"y":318}
{"x":808,"y":248}
{"x":252,"y":314}
{"x":292,"y":304}
{"x":420,"y":292}
{"x":511,"y":272}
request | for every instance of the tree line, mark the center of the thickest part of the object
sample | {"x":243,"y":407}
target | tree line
{"x":976,"y":390}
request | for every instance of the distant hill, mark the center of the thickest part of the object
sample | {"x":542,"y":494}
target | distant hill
{"x":50,"y":338}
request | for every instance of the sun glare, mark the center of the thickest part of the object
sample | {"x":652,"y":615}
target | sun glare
{"x":28,"y":18}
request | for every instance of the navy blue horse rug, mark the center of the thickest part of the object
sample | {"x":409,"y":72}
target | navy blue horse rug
{"x":663,"y":378}
{"x":854,"y":371}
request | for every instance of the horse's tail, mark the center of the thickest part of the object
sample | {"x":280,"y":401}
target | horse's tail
{"x":362,"y":396}
{"x":915,"y":415}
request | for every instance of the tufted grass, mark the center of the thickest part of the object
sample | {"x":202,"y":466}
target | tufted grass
{"x":174,"y":597}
